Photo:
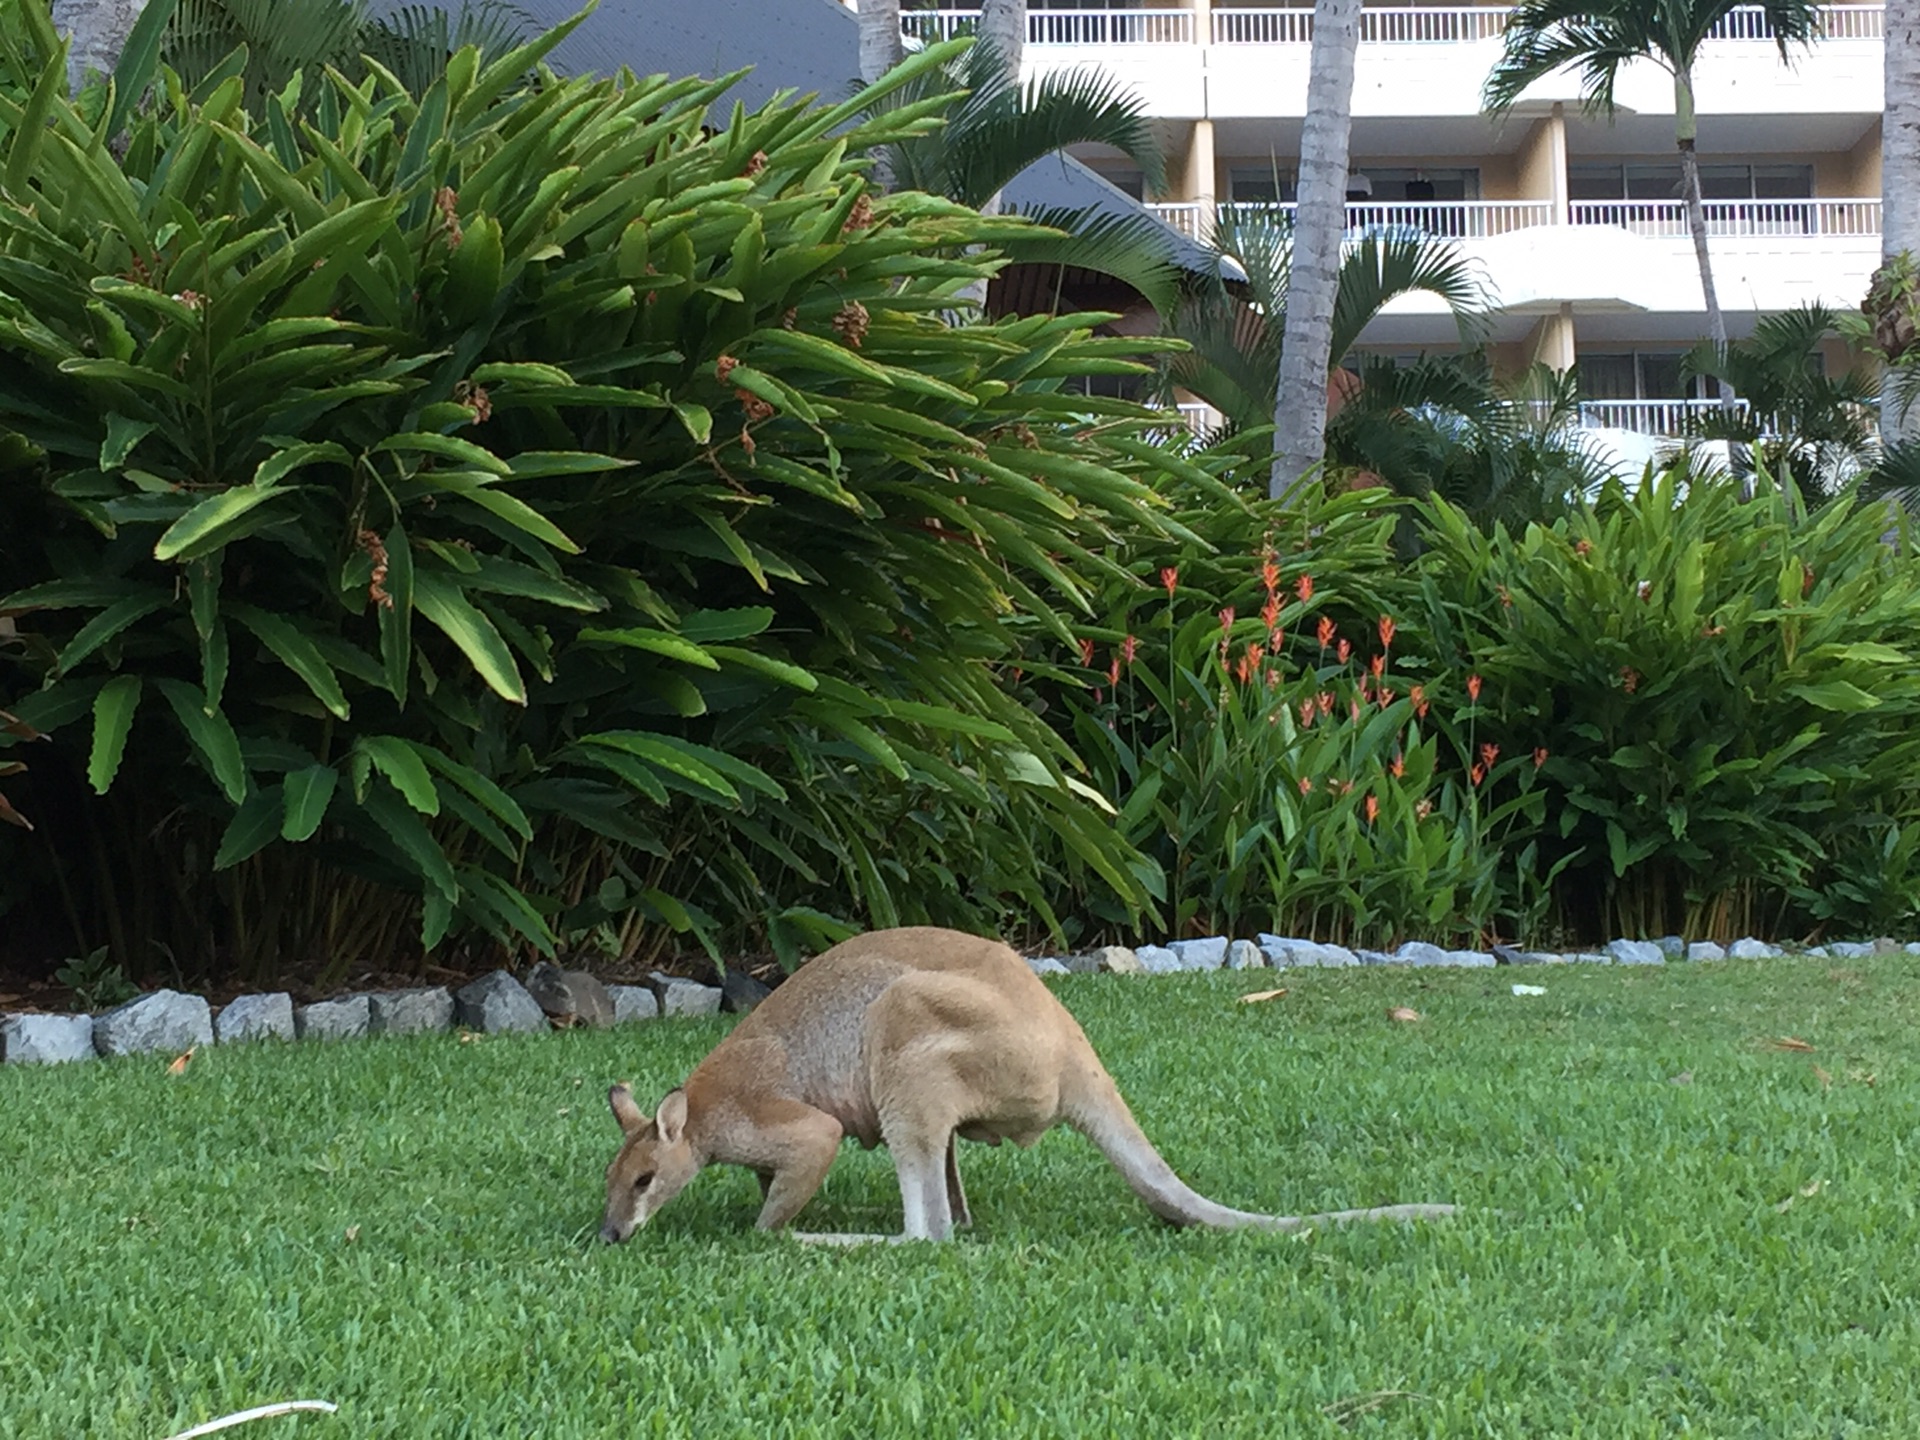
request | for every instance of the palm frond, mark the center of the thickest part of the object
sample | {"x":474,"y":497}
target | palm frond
{"x":1379,"y":269}
{"x":1001,"y":130}
{"x":1136,"y":249}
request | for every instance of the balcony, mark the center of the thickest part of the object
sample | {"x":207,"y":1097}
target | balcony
{"x":1293,"y":25}
{"x":1415,"y":61}
{"x":1657,"y":219}
{"x":1668,"y":218}
{"x":1662,"y":419}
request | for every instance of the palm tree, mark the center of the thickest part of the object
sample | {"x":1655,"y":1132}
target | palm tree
{"x":99,"y":29}
{"x":1300,"y":406}
{"x":1818,"y":428}
{"x":1503,"y":452}
{"x":1598,"y":37}
{"x":1900,"y":181}
{"x":1237,"y":332}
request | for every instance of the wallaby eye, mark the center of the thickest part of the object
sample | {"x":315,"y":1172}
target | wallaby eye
{"x":642,"y":1181}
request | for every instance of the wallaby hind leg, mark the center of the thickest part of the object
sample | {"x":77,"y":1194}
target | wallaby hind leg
{"x":956,"y":1192}
{"x":922,"y":1162}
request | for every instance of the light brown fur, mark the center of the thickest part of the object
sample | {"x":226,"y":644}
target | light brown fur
{"x":907,"y":1038}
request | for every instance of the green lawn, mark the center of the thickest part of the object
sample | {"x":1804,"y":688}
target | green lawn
{"x":405,"y":1228}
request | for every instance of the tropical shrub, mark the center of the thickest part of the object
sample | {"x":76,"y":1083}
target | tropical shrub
{"x":1722,"y":692}
{"x":526,"y":513}
{"x":1242,"y":700}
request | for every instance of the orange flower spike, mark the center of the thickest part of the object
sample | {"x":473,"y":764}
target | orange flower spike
{"x":1226,"y":618}
{"x":1303,"y":587}
{"x":1378,"y":665}
{"x":1326,"y":631}
{"x":1086,"y":653}
{"x":1306,"y":785}
{"x":1325,"y":700}
{"x":1170,"y":579}
{"x":1478,"y":773}
{"x":1539,"y":756}
{"x":1418,"y":694}
{"x":1306,"y":711}
{"x":1243,"y":668}
{"x":1353,"y":709}
{"x":1384,"y":696}
{"x":1488,"y":754}
{"x":1399,"y":765}
{"x":1113,"y":672}
{"x":1373,"y":808}
{"x":1270,"y":613}
{"x":1343,"y":652}
{"x":1269,"y":575}
{"x":1129,"y":649}
{"x":1473,"y":688}
{"x":1386,"y":632}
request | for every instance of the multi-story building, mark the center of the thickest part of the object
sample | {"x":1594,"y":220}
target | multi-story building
{"x":1575,"y":220}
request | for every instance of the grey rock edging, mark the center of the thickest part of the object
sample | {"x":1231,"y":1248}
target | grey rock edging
{"x":499,"y":1003}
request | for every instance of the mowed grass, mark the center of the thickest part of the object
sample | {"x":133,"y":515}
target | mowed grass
{"x":404,"y":1227}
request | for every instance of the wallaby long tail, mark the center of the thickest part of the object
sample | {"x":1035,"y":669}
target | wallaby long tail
{"x":1103,"y":1117}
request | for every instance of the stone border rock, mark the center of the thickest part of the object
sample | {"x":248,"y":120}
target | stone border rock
{"x":168,"y":1022}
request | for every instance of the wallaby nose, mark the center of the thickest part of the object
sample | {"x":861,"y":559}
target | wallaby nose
{"x":610,"y":1233}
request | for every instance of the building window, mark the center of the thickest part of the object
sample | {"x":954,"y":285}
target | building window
{"x":1414,"y":187}
{"x":1661,"y":181}
{"x":1638,"y":375}
{"x":1266,"y":185}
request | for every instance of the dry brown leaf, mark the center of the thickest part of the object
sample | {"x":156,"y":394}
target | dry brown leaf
{"x":1685,"y":1077}
{"x":467,"y":1037}
{"x":1826,"y":1080}
{"x":1792,"y":1042}
{"x":179,"y":1065}
{"x":1257,"y":996}
{"x":1403,"y":1014}
{"x":353,"y":1233}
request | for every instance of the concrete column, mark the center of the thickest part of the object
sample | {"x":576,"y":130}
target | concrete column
{"x":1553,"y":340}
{"x":1556,"y":139}
{"x":1198,"y":182}
{"x":1203,"y":22}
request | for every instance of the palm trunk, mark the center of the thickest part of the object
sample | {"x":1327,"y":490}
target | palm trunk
{"x":1685,"y":127}
{"x":1003,"y":28}
{"x":881,"y":48}
{"x":1003,"y":25}
{"x":99,"y":29}
{"x":1900,"y":180}
{"x":1320,"y":220}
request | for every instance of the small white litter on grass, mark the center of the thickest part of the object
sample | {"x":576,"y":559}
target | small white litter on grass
{"x":1529,"y":989}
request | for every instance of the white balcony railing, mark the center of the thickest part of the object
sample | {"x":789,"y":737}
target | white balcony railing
{"x":1668,"y":419}
{"x":1379,"y":24}
{"x":1293,"y":25}
{"x":1189,"y":217}
{"x":1167,"y":26}
{"x":1668,"y":218}
{"x":1445,"y":219}
{"x":1477,"y":219}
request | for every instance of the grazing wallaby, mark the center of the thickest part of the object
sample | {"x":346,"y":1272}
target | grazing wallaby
{"x":906,"y":1038}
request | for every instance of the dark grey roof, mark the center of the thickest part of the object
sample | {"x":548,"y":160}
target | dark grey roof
{"x":1063,"y":181}
{"x":808,"y":45}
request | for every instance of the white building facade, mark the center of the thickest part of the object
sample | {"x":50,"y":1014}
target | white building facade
{"x":1575,"y":221}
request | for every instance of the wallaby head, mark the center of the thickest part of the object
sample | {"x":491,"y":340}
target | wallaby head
{"x":654,"y":1164}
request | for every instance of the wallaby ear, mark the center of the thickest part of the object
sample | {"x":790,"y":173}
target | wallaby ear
{"x":672,"y":1118}
{"x":624,"y":1110}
